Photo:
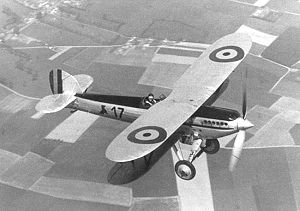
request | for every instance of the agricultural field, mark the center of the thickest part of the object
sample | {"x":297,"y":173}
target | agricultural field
{"x":132,"y":48}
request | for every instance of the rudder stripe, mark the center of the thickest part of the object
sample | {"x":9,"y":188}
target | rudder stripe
{"x":59,"y":81}
{"x":51,"y":80}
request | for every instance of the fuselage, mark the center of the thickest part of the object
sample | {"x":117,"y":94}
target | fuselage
{"x":211,"y":122}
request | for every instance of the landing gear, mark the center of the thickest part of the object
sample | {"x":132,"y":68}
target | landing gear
{"x":185,"y":170}
{"x":212,"y":146}
{"x":184,"y":167}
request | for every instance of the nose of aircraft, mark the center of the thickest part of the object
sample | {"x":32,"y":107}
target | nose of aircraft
{"x":244,"y":124}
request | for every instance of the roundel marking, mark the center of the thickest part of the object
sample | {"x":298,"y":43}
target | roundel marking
{"x":147,"y":135}
{"x":229,"y":53}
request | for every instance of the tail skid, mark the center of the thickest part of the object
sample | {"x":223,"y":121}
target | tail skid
{"x":64,"y":88}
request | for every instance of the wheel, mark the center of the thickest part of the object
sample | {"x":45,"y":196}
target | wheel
{"x":212,"y":146}
{"x":185,"y":170}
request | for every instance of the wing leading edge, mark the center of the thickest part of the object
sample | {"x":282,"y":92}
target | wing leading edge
{"x":194,"y":87}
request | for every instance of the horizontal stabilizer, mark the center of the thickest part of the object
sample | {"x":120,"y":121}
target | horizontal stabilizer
{"x":54,"y":103}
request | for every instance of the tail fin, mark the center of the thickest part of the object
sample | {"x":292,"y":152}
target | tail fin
{"x":64,"y":88}
{"x":61,"y":81}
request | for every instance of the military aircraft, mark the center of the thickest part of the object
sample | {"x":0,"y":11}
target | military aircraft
{"x":187,"y":111}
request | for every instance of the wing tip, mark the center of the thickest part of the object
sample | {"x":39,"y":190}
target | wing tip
{"x":112,"y":156}
{"x":114,"y":153}
{"x":124,"y":153}
{"x":243,"y":40}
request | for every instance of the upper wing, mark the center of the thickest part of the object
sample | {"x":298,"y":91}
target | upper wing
{"x":212,"y":68}
{"x":195,"y":86}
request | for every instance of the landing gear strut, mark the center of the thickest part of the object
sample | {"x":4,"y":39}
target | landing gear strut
{"x":184,"y":168}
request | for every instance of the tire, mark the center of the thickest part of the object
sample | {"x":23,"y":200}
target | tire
{"x":185,"y":170}
{"x":212,"y":146}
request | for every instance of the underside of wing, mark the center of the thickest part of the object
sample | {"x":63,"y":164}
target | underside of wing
{"x":195,"y":86}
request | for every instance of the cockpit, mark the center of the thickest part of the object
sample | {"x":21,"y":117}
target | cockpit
{"x":150,"y":100}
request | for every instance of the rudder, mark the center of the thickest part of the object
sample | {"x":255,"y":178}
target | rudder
{"x":64,"y":88}
{"x":61,"y":81}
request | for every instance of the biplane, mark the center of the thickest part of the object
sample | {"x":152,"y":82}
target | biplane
{"x":187,"y":110}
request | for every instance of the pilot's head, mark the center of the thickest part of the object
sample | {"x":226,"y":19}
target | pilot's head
{"x":150,"y":96}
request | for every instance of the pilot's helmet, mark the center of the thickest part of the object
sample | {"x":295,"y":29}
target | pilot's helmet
{"x":196,"y":133}
{"x":150,"y":96}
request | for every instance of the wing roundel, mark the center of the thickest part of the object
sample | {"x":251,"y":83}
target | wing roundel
{"x":147,"y":135}
{"x":227,"y":54}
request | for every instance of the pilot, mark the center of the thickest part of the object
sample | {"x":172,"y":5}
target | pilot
{"x":149,"y":100}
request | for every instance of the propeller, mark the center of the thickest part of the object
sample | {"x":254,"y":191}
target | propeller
{"x":242,"y":124}
{"x":244,"y":104}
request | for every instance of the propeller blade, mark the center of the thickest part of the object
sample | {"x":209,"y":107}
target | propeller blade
{"x":244,"y":105}
{"x":237,"y":149}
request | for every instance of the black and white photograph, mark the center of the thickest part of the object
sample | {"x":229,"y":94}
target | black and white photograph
{"x":151,"y":105}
